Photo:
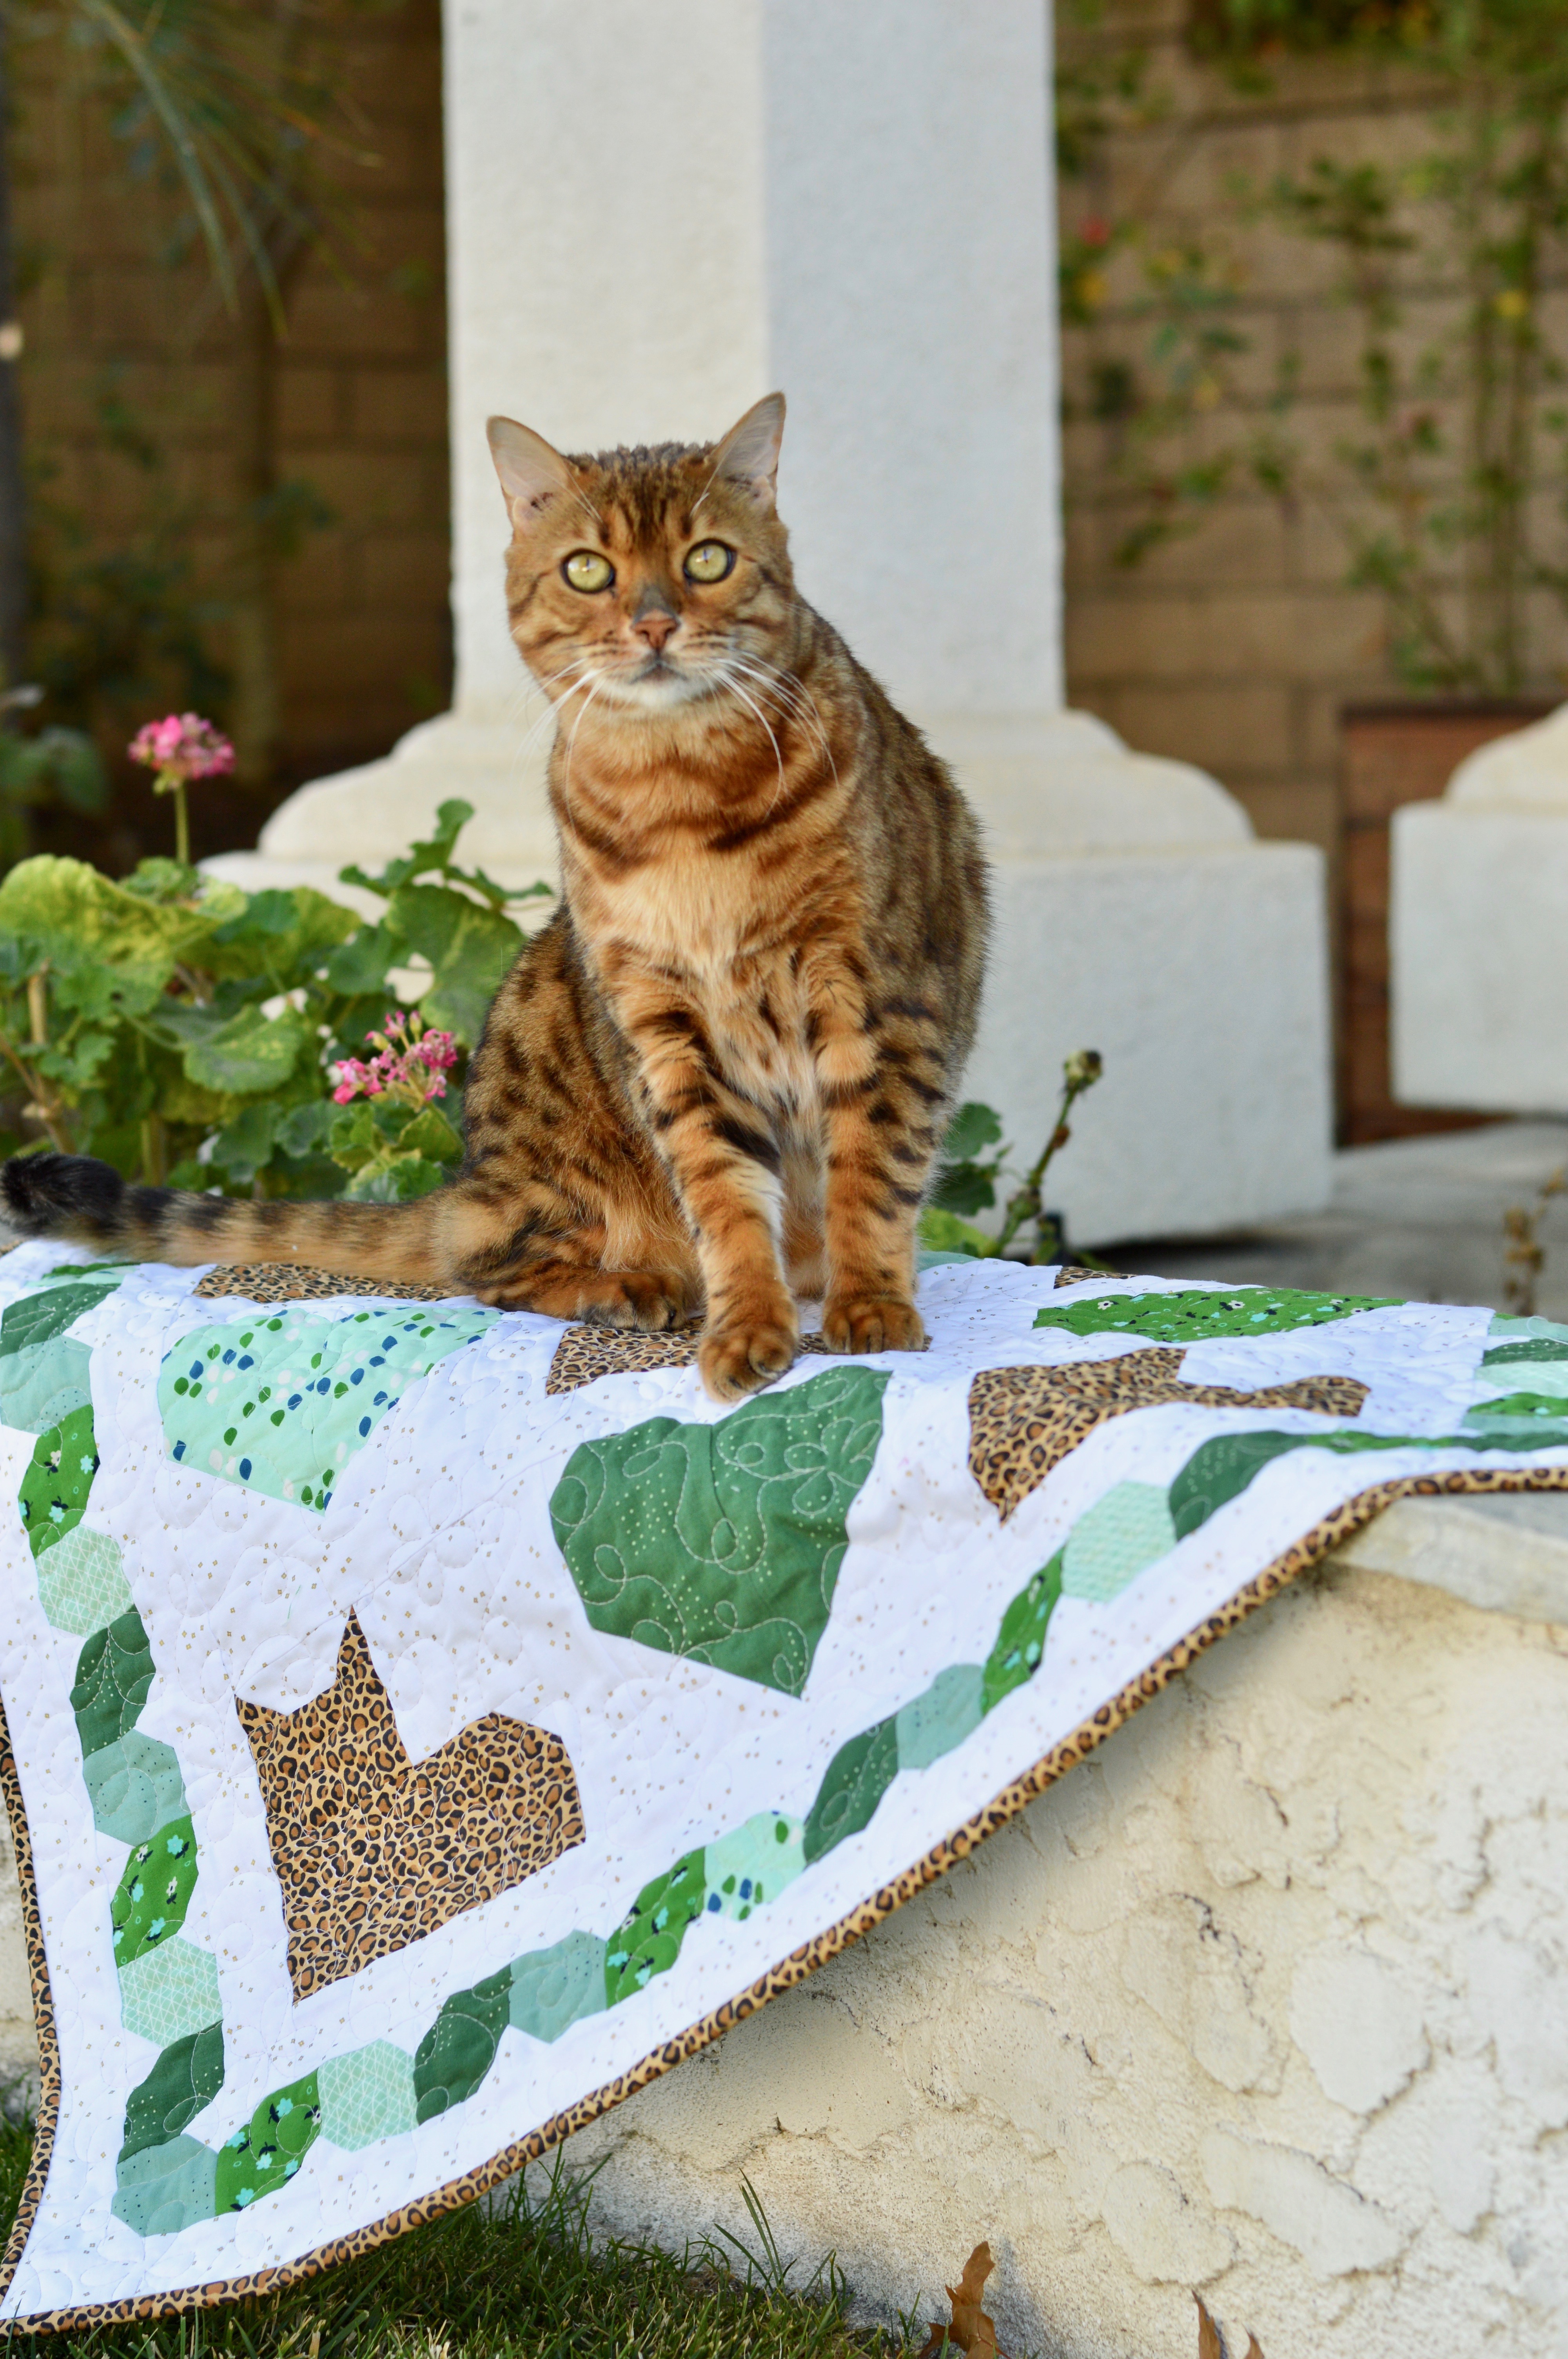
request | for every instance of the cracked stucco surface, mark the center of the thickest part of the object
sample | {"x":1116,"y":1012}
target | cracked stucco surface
{"x":1267,"y":1998}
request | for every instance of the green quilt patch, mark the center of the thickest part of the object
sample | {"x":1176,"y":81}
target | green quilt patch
{"x":113,"y":1672}
{"x":1196,"y":1315}
{"x":266,"y":2154}
{"x":154,"y":1892}
{"x":281,"y":1405}
{"x":52,"y":1498}
{"x":187,"y":2076}
{"x":460,"y":2047}
{"x":723,"y":1542}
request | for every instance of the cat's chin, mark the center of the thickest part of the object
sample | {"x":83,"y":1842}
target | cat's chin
{"x":659,"y":691}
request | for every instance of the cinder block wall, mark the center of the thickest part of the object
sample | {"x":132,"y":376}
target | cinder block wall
{"x":129,"y":383}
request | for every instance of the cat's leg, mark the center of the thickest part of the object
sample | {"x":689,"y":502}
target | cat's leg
{"x":562,"y":1205}
{"x":883,"y":1094}
{"x":725,"y":1162}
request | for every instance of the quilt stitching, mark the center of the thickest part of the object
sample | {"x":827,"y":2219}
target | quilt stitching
{"x":534,"y":1993}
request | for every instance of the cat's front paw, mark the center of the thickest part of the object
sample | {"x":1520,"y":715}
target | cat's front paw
{"x":873,"y":1322}
{"x":743,"y":1355}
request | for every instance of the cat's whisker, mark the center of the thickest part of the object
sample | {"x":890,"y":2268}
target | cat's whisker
{"x":752,"y":706}
{"x":790,"y":695}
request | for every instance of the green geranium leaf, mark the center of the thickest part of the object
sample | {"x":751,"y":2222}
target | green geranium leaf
{"x":249,"y":1054}
{"x":360,"y":966}
{"x":973,"y":1126}
{"x":431,"y":1134}
{"x":470,"y":949}
{"x":943,"y":1232}
{"x":393,"y":1181}
{"x":284,"y":935}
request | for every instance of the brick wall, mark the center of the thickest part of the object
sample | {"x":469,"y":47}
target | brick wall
{"x":129,"y":382}
{"x":1236,"y":646}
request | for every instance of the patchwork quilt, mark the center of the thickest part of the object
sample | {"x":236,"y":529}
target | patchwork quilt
{"x":423,"y":1725}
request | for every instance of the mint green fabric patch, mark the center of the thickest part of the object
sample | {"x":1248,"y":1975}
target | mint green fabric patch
{"x":169,"y":1991}
{"x":53,"y":1494}
{"x":554,"y":1988}
{"x":44,"y":1383}
{"x":281,"y":1405}
{"x":723,"y":1542}
{"x":647,"y":1941}
{"x":752,"y":1864}
{"x":857,"y":1777}
{"x":187,"y":2076}
{"x":1120,"y":1536}
{"x":153,"y":1893}
{"x":113,"y":1673}
{"x":366,"y":2095}
{"x":163,"y":2189}
{"x":266,"y":2153}
{"x":135,"y":1786}
{"x":1196,"y":1315}
{"x":80,"y":1584}
{"x":460,"y":2047}
{"x":936,"y":1722}
{"x":1504,"y":1330}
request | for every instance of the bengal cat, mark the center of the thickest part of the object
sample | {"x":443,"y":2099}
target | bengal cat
{"x":717,"y":1079}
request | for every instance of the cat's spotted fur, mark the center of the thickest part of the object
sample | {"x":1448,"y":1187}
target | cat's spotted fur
{"x":717,"y":1078}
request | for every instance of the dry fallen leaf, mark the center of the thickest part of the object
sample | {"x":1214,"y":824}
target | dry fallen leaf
{"x":1209,"y":2344}
{"x":971,"y":2329}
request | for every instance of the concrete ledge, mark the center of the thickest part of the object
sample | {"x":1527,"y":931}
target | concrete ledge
{"x":1266,"y":1998}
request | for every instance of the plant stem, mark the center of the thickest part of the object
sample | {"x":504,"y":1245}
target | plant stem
{"x":1026,"y":1203}
{"x":181,"y":825}
{"x":154,"y":1150}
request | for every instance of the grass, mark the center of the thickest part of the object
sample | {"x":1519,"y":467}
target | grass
{"x":514,"y":2280}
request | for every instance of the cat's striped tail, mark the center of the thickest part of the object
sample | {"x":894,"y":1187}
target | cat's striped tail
{"x":85,"y":1202}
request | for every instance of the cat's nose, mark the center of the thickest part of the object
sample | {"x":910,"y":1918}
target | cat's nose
{"x":654,"y":627}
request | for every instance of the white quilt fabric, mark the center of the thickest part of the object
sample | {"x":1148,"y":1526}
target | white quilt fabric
{"x":785,"y":1650}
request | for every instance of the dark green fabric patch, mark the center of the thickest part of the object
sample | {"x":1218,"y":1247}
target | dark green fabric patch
{"x":1020,"y":1641}
{"x":1192,"y":1316}
{"x":266,"y":2154}
{"x":1525,"y":1405}
{"x":39,"y":1318}
{"x":460,"y":2047}
{"x":113,"y":1672}
{"x":152,"y":1894}
{"x":647,"y":1940}
{"x":52,"y":1498}
{"x":187,"y":2076}
{"x":723,"y":1542}
{"x":857,"y":1777}
{"x":1535,"y":1347}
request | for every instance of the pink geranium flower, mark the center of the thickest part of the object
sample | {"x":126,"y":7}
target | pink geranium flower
{"x":180,"y":748}
{"x":410,"y":1063}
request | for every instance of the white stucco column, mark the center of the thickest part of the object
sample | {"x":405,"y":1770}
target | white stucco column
{"x":655,"y":217}
{"x":1478,"y":932}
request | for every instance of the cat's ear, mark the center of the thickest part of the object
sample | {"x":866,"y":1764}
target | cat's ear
{"x":748,"y":454}
{"x":530,"y":471}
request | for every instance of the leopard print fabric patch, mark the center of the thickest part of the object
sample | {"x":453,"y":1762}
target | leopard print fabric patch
{"x":374,"y":1851}
{"x":287,"y":1281}
{"x":585,"y":1353}
{"x":1024,"y":1421}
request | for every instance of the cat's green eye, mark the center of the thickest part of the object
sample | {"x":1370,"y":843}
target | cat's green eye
{"x":710,"y":560}
{"x":586,"y":569}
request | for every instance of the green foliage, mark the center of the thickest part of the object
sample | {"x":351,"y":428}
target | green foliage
{"x":183,"y":1029}
{"x":963,"y":1183}
{"x":58,"y":768}
{"x":1451,"y":494}
{"x":517,"y":2277}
